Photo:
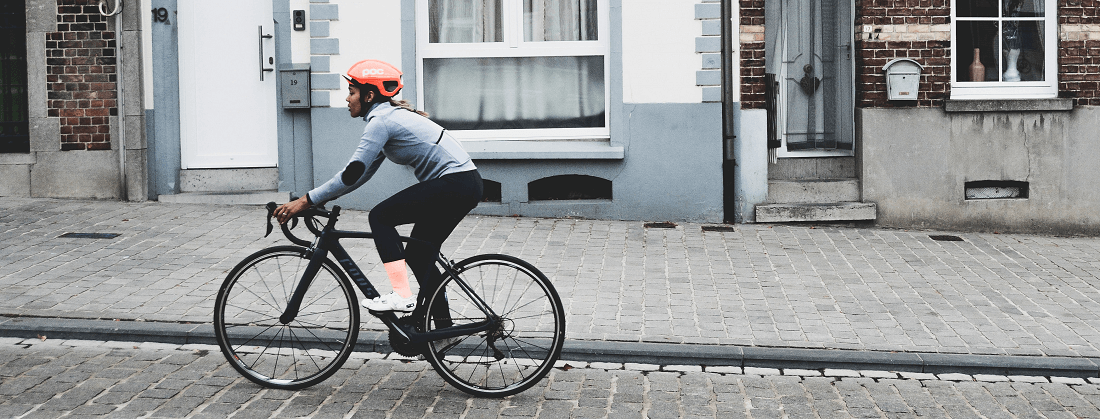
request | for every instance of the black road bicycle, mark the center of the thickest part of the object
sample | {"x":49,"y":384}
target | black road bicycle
{"x":287,"y":317}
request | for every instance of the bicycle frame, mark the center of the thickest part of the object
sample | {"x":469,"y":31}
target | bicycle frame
{"x":329,"y":242}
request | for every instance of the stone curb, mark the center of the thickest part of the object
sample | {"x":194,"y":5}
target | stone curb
{"x":611,"y":351}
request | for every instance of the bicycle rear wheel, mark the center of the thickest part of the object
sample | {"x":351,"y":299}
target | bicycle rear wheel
{"x":298,"y":354}
{"x":512,"y":357}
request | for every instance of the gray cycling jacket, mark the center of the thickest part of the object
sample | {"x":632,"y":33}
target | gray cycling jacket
{"x":405,"y":138}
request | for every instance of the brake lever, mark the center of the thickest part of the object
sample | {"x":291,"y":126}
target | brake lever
{"x":270,"y":213}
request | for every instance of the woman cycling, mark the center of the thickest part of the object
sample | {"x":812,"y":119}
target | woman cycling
{"x":449,"y":185}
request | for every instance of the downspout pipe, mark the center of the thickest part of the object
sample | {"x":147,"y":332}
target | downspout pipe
{"x":729,"y":114}
{"x":119,"y":81}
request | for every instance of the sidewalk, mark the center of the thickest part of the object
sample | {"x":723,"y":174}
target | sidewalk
{"x":779,"y":296}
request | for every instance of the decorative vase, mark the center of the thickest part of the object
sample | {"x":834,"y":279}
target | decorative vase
{"x":977,"y":70}
{"x":1011,"y":73}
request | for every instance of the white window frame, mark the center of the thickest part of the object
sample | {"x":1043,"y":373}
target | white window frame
{"x":1046,"y":89}
{"x":513,"y":45}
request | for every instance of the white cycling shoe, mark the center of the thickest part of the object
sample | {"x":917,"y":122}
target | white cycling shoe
{"x":391,"y":302}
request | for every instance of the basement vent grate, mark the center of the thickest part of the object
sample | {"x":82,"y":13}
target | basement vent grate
{"x":89,"y":235}
{"x":996,"y":189}
{"x":664,"y":224}
{"x":724,"y":229}
{"x":946,"y":238}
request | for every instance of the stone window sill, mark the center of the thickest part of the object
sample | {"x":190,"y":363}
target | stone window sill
{"x":543,"y":150}
{"x":1008,"y":105}
{"x":17,"y":158}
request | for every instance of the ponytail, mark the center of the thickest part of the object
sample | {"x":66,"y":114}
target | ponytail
{"x":378,"y":98}
{"x":404,"y":104}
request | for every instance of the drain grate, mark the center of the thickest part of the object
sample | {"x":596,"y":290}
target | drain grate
{"x":664,"y":224}
{"x":946,"y":238}
{"x":724,"y":229}
{"x":89,"y":235}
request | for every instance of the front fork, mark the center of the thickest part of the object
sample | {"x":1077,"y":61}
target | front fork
{"x":295,"y":303}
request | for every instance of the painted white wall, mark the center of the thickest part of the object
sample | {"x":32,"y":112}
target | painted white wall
{"x":659,"y":59}
{"x":366,"y":29}
{"x":299,"y":40}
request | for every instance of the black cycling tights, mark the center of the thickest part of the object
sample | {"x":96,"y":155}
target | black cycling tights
{"x":435,"y":208}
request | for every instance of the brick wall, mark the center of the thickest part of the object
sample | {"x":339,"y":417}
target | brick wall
{"x":1079,"y":51}
{"x":81,"y":75}
{"x":752,"y":54}
{"x":890,"y":29}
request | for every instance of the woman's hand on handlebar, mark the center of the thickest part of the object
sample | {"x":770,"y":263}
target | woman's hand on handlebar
{"x":287,"y":211}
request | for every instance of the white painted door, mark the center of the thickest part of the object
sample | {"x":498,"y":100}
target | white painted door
{"x":227,"y":100}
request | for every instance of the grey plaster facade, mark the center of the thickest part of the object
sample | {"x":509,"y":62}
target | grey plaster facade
{"x":916,"y":163}
{"x":669,"y":155}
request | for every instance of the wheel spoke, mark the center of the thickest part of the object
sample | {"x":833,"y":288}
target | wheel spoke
{"x":515,"y":354}
{"x":297,"y":354}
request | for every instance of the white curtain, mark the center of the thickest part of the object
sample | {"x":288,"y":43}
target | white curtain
{"x":515,"y":93}
{"x":464,"y":21}
{"x":559,"y":20}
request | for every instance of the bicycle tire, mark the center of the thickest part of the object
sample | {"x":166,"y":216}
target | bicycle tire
{"x":290,"y":356}
{"x":514,"y":356}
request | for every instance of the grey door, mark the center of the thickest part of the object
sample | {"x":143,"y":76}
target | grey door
{"x":816,"y":74}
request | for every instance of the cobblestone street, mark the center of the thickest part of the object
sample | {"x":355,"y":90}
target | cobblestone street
{"x":48,"y":379}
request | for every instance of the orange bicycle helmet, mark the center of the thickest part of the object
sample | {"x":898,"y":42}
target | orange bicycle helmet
{"x":383,"y":76}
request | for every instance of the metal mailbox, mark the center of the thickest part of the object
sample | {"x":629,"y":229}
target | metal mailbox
{"x":902,"y":79}
{"x":294,"y":86}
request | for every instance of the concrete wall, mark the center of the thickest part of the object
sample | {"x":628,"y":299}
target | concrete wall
{"x":916,"y":161}
{"x":750,"y":150}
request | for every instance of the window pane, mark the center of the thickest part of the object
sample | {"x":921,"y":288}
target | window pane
{"x":980,"y":39}
{"x":515,"y":93}
{"x":1023,"y":52}
{"x":559,"y":20}
{"x":464,"y":21}
{"x":977,"y":8}
{"x":1024,"y":8}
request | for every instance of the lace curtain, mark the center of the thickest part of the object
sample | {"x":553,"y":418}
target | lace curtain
{"x":464,"y":21}
{"x":514,"y":92}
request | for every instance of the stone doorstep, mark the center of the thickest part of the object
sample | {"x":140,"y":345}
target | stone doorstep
{"x":812,"y":191}
{"x":229,"y":180}
{"x":838,"y":211}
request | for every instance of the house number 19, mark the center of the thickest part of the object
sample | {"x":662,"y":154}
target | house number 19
{"x":160,"y":15}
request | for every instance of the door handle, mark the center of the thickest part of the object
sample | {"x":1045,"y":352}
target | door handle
{"x":262,"y":37}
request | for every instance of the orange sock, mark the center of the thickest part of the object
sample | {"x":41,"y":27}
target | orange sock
{"x":399,"y":277}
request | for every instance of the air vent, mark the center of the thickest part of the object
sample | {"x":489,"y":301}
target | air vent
{"x":996,"y":189}
{"x":663,"y":224}
{"x":492,"y":191}
{"x":89,"y":235}
{"x":569,"y":187}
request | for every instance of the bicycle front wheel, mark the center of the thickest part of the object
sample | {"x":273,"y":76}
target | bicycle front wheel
{"x":297,"y":354}
{"x":515,"y":355}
